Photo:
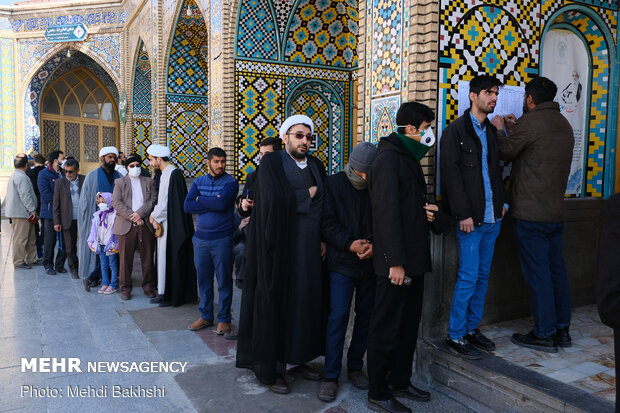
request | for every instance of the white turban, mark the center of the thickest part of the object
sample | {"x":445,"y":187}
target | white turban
{"x":295,"y":120}
{"x":106,"y":150}
{"x":160,"y":151}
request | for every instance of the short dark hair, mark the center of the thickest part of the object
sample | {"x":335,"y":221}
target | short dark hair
{"x":165,"y":158}
{"x":72,"y":162}
{"x":483,"y":82}
{"x":20,"y":161}
{"x":275,"y":142}
{"x":541,"y":90}
{"x":54,"y":155}
{"x":219,"y":152}
{"x":413,"y":113}
{"x":38,"y":158}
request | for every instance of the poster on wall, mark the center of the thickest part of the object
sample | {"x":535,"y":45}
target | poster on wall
{"x":565,"y":61}
{"x":509,"y":100}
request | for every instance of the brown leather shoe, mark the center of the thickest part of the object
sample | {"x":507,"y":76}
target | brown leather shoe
{"x":280,"y":386}
{"x":309,"y":373}
{"x":387,"y":406}
{"x":328,"y":391}
{"x":358,"y":379}
{"x":125,"y":295}
{"x":199,"y":324}
{"x":223,"y":328}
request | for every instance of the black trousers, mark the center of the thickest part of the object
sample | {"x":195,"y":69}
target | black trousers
{"x":49,"y":245}
{"x":393,"y":335}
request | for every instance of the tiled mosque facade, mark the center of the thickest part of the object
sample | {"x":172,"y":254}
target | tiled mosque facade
{"x":195,"y":74}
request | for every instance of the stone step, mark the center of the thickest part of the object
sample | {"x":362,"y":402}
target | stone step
{"x":493,"y":384}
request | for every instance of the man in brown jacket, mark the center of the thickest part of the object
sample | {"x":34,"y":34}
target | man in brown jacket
{"x":540,"y":145}
{"x":65,"y":208}
{"x":133,"y":200}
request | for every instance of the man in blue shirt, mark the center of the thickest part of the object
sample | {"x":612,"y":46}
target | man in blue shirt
{"x":212,"y":199}
{"x":474,"y":194}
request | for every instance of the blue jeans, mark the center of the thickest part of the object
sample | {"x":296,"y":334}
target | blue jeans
{"x":209,"y":256}
{"x":540,"y":253}
{"x":475,"y":257}
{"x":109,"y":262}
{"x":341,"y":293}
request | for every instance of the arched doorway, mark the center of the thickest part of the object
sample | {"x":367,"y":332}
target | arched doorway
{"x":78,"y":116}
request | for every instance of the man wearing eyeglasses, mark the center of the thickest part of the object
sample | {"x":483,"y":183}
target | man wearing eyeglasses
{"x":281,"y":306}
{"x":65,"y":211}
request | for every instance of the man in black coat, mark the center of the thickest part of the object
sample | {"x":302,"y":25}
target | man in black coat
{"x":346,"y":226}
{"x":471,"y":182}
{"x":608,"y":275}
{"x":33,"y":174}
{"x":281,"y":307}
{"x":401,"y":256}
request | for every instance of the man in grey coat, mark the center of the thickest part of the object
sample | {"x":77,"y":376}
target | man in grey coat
{"x":21,"y":205}
{"x":540,"y":145}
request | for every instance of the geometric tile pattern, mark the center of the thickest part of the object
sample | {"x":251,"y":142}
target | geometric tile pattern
{"x":142,"y":137}
{"x":259,"y":107}
{"x":8,"y":144}
{"x":387,"y":67}
{"x":187,"y":127}
{"x":187,"y":91}
{"x":387,"y":39}
{"x":383,"y":117}
{"x":310,"y":103}
{"x":142,"y":83}
{"x":283,"y":11}
{"x":291,"y":70}
{"x":323,"y":32}
{"x":257,"y":33}
{"x":109,"y":18}
{"x":142,"y":122}
{"x":51,"y":131}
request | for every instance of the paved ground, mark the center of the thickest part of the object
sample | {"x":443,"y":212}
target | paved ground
{"x":52,"y":316}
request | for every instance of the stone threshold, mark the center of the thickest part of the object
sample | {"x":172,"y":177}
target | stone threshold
{"x":502,"y":386}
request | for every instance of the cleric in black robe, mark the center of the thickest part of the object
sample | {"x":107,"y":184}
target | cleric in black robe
{"x":180,"y":271}
{"x":281,"y":319}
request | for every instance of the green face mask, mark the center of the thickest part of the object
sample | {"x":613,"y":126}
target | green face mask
{"x":414,"y":147}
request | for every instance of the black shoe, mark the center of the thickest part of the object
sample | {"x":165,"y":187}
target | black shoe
{"x":461,"y":348}
{"x":50,"y":271}
{"x":23,"y":266}
{"x":530,"y":340}
{"x":561,"y":338}
{"x":158,"y":299}
{"x":412,"y":393}
{"x":38,"y":261}
{"x":74,"y":274}
{"x":86,"y":282}
{"x":479,"y":340}
{"x":387,"y":406}
{"x":61,"y":270}
{"x":94,"y":283}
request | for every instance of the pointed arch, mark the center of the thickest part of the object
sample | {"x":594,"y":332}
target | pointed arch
{"x":187,"y":90}
{"x":141,"y":105}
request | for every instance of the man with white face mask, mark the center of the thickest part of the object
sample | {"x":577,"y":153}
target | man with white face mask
{"x":133,"y":199}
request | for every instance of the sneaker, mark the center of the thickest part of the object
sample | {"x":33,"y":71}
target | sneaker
{"x":531,"y":340}
{"x":110,"y":290}
{"x":462,"y":348}
{"x":561,"y":338}
{"x":103,"y":289}
{"x":479,"y":340}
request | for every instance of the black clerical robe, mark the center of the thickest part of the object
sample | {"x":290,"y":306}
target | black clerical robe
{"x":180,"y":270}
{"x":282,"y":317}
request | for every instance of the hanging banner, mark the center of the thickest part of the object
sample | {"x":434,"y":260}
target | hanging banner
{"x":122,"y":107}
{"x":565,"y":61}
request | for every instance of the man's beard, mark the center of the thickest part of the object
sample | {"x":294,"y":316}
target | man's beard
{"x":525,"y":108}
{"x":110,"y":166}
{"x":217,"y":172}
{"x":299,"y":155}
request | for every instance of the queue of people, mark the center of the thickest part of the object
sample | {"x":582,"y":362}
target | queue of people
{"x":304,"y":244}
